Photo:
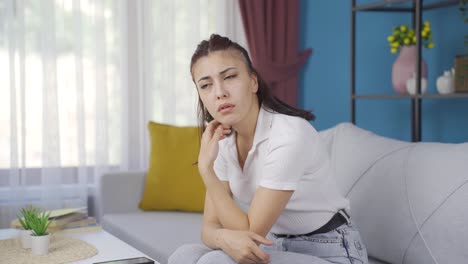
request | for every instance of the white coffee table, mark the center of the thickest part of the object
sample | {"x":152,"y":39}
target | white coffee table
{"x":109,"y":247}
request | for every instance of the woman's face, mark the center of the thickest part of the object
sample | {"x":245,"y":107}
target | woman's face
{"x":225,"y":86}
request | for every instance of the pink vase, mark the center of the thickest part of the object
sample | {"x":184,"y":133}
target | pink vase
{"x":404,"y":67}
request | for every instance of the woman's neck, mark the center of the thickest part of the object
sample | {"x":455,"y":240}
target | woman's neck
{"x":245,"y":130}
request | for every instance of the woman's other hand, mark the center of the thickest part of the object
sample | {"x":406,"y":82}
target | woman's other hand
{"x":243,"y":247}
{"x":214,"y":132}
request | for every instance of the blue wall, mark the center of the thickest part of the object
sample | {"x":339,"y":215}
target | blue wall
{"x":325,"y":80}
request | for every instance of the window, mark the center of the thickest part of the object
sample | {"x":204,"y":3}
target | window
{"x":61,"y":83}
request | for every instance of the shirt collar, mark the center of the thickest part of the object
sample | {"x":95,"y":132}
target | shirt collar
{"x":262,"y":129}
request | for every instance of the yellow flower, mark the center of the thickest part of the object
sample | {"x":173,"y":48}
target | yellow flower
{"x":395,"y":44}
{"x":428,"y":31}
{"x":405,"y":35}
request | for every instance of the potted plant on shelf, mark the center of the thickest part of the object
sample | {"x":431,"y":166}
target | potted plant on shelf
{"x":404,"y":39}
{"x":40,"y":237}
{"x":27,"y":214}
{"x":461,"y":61}
{"x":463,"y":10}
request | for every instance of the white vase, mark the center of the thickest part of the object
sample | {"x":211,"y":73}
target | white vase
{"x":40,"y":244}
{"x":411,"y":85}
{"x":25,"y":236}
{"x":446,"y":83}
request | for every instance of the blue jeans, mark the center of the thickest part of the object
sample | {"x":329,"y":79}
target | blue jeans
{"x":341,"y":245}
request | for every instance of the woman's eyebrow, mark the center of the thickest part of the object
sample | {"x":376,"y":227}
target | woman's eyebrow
{"x":204,"y":78}
{"x":220,"y":73}
{"x":227,"y":69}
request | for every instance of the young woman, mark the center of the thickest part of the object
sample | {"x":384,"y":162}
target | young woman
{"x":266,"y":171}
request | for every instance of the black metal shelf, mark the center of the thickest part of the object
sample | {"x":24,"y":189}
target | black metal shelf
{"x":415,"y":8}
{"x":408,"y":96}
{"x":401,"y":6}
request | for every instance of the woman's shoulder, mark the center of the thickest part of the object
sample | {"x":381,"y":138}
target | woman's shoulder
{"x":283,"y":124}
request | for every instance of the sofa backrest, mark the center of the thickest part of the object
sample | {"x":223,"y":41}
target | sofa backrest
{"x":408,"y":200}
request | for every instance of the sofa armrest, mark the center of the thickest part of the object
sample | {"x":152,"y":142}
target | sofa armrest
{"x":121,"y":191}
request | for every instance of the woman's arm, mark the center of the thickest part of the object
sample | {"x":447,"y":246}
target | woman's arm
{"x":265,"y":209}
{"x":211,"y":226}
{"x":240,"y":245}
{"x":267,"y":204}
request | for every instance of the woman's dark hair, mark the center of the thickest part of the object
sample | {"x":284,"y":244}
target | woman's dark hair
{"x":265,"y":98}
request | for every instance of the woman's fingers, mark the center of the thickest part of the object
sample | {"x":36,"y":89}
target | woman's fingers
{"x":213,"y":127}
{"x":260,"y":239}
{"x":260,"y":255}
{"x":210,"y":128}
{"x":256,"y":255}
{"x":247,"y":261}
{"x":220,"y":132}
{"x":213,"y":124}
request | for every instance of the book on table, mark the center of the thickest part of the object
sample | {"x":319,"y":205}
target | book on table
{"x":86,"y":228}
{"x":60,"y":218}
{"x":82,"y":222}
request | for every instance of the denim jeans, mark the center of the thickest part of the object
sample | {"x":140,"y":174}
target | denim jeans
{"x":341,"y":245}
{"x":200,"y":254}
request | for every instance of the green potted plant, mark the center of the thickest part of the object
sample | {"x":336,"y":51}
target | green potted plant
{"x":27,"y":214}
{"x":462,"y":7}
{"x":40,"y":236}
{"x":403,"y":39}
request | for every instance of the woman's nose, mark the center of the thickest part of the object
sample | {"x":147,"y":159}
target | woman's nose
{"x":221,"y":91}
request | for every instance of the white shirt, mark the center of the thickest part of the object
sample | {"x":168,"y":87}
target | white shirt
{"x":287,"y":154}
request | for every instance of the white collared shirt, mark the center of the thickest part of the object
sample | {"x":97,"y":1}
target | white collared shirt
{"x":287,"y":154}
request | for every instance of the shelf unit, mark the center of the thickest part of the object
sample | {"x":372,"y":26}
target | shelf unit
{"x":415,"y":8}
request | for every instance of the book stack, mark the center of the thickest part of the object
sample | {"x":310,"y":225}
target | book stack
{"x":68,"y":220}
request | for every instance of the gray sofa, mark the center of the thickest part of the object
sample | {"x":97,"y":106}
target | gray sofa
{"x":409,"y":201}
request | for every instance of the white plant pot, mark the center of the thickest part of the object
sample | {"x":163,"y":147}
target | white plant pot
{"x":40,"y":244}
{"x":411,"y":85}
{"x":25,"y":236}
{"x":446,"y":83}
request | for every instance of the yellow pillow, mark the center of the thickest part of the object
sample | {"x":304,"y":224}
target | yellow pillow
{"x":172,"y":182}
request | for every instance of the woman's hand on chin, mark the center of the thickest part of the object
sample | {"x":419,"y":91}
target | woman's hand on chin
{"x":214,"y":132}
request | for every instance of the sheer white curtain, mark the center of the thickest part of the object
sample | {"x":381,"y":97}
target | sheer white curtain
{"x":62,"y":83}
{"x":168,"y":34}
{"x":79,"y":81}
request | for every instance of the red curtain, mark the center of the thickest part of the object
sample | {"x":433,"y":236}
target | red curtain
{"x":272,"y":29}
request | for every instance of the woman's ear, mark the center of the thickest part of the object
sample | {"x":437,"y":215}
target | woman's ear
{"x":254,"y":82}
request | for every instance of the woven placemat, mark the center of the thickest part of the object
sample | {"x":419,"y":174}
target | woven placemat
{"x":61,"y":250}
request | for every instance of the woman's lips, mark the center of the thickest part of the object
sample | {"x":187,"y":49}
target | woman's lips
{"x":225,"y":108}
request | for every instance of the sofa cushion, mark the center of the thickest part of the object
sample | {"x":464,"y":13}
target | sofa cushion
{"x":173,"y":182}
{"x":354,"y":151}
{"x":396,"y":188}
{"x":157,"y":234}
{"x":375,"y":261}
